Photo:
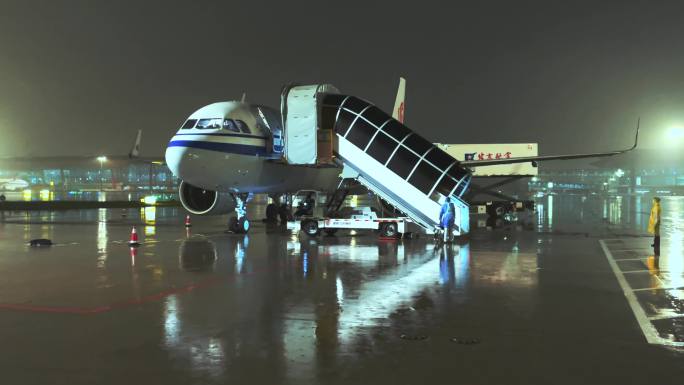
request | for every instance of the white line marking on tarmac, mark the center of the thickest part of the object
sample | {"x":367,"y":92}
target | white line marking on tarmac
{"x":630,"y":259}
{"x":631,"y":249}
{"x":647,"y":327}
{"x":671,"y":316}
{"x":658,"y":288}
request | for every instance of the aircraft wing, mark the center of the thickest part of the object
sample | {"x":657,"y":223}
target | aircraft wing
{"x":523,"y":159}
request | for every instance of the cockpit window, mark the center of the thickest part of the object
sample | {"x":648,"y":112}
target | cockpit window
{"x":190,"y":123}
{"x":242,"y":126}
{"x":209,"y":123}
{"x":229,"y":124}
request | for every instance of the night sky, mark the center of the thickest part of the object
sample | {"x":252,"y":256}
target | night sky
{"x":80,"y":77}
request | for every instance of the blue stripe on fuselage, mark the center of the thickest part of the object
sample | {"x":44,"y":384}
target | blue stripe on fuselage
{"x":248,"y":136}
{"x":231,"y":148}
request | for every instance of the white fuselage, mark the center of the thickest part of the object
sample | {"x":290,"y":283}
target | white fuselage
{"x":227,"y":159}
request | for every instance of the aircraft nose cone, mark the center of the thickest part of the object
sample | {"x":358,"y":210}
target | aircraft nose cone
{"x":174,"y":157}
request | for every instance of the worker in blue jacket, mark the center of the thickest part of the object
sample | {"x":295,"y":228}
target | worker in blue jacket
{"x":446,"y":218}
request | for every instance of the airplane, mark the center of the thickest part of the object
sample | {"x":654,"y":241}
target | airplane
{"x":13,"y":184}
{"x":226,"y":151}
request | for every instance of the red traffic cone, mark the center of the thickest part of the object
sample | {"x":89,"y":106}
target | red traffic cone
{"x":134,"y":238}
{"x":187,"y":221}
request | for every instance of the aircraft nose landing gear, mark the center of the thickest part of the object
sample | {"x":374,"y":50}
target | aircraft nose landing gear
{"x":239,"y":224}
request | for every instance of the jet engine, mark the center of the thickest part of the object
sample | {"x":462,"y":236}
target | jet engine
{"x":200,"y":201}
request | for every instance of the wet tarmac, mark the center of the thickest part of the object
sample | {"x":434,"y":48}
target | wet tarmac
{"x":575,"y":297}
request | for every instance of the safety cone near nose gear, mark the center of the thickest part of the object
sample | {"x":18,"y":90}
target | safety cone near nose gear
{"x":187,"y":221}
{"x":133,"y":242}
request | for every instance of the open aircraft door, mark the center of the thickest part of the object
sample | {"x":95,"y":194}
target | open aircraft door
{"x":306,"y":142}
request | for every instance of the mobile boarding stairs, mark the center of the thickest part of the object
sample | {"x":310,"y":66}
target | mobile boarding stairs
{"x":324,"y":128}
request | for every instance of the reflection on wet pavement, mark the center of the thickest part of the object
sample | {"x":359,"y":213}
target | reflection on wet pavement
{"x":205,"y":306}
{"x":654,"y":284}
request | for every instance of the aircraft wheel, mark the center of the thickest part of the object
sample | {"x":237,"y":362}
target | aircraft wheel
{"x":330,"y":232}
{"x":310,"y":228}
{"x":389,"y":230}
{"x":243,"y":225}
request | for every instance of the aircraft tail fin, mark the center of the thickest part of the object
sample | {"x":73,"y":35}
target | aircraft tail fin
{"x":135,"y":151}
{"x":398,"y":111}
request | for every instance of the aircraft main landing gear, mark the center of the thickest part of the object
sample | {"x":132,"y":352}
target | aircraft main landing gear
{"x":239,"y":224}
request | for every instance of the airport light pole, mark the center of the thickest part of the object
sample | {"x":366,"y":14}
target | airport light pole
{"x":101,"y":159}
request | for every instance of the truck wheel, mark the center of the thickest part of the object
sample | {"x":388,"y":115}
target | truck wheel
{"x":310,"y":228}
{"x":496,"y":210}
{"x":499,"y":211}
{"x":389,"y":230}
{"x":330,"y":232}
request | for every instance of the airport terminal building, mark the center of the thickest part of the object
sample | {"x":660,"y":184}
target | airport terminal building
{"x":98,"y":175}
{"x":638,"y":172}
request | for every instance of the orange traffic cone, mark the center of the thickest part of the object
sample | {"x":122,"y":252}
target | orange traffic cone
{"x":134,"y":238}
{"x":187,"y":221}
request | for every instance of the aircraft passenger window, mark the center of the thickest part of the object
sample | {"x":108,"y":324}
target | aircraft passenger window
{"x":418,"y":144}
{"x":209,"y":123}
{"x":190,"y":123}
{"x":439,"y":158}
{"x":424,"y":177}
{"x":402,"y":162}
{"x":355,"y":104}
{"x":381,"y":147}
{"x":361,"y":133}
{"x":344,"y":121}
{"x":445,"y":185}
{"x":242,"y":126}
{"x":229,"y":124}
{"x":396,"y":130}
{"x":376,"y":116}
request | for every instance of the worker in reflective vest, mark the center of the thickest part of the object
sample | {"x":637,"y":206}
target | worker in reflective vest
{"x":654,"y":224}
{"x":446,"y":218}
